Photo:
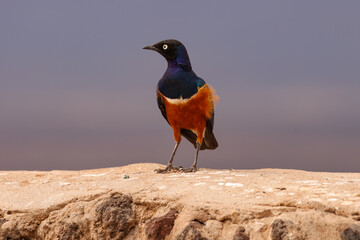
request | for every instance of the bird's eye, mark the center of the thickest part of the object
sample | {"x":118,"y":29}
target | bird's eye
{"x":165,"y":46}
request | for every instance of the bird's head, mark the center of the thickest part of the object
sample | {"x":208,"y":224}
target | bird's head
{"x":173,"y":51}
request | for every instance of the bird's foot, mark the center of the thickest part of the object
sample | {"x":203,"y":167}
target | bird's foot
{"x":191,"y":169}
{"x":169,"y":168}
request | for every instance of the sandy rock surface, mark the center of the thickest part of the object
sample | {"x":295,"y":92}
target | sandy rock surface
{"x":134,"y":202}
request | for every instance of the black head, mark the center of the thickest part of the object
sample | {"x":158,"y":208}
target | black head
{"x":167,"y":48}
{"x":174,"y":52}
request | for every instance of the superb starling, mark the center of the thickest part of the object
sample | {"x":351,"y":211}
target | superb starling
{"x":185,"y":101}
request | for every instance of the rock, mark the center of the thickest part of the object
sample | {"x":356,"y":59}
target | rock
{"x":108,"y":217}
{"x":279,"y":229}
{"x":264,"y":214}
{"x":114,"y":217}
{"x":351,"y":233}
{"x":213,"y":229}
{"x":191,"y":232}
{"x":158,"y":228}
{"x":240,"y":234}
{"x":208,"y":204}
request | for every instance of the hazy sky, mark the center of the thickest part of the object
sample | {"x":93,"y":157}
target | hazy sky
{"x":77,"y":90}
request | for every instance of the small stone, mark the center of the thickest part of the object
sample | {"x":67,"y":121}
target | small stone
{"x":126,"y":176}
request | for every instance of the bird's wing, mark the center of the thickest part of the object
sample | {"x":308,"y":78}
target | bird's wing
{"x":161,"y":104}
{"x":210,"y":122}
{"x":209,"y":138}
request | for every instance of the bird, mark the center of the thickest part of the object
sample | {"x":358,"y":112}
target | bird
{"x":186,"y":101}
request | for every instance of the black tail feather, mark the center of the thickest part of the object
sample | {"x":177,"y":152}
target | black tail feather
{"x":209,"y":139}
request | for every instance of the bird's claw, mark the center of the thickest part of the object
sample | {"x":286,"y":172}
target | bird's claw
{"x":169,"y":168}
{"x":191,"y":169}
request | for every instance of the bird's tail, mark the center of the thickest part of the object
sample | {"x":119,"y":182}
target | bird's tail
{"x":210,"y":140}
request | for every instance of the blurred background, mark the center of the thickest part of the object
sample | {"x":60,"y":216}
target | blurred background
{"x":77,"y":91}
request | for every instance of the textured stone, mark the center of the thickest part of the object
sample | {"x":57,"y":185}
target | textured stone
{"x":279,"y":229}
{"x":158,"y":228}
{"x":107,"y":217}
{"x":240,"y":234}
{"x":351,"y":233}
{"x":208,"y":204}
{"x":114,"y":217}
{"x":191,"y":232}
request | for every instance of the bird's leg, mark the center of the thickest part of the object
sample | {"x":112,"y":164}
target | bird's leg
{"x":193,"y":167}
{"x":169,"y":166}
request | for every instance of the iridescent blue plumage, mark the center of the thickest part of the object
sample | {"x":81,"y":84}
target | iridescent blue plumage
{"x":179,"y":80}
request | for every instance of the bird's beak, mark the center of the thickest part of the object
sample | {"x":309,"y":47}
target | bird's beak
{"x":151,"y":48}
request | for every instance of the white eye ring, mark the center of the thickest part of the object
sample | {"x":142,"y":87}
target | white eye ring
{"x":165,"y":46}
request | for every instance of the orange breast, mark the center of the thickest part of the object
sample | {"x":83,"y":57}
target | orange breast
{"x":190,"y":113}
